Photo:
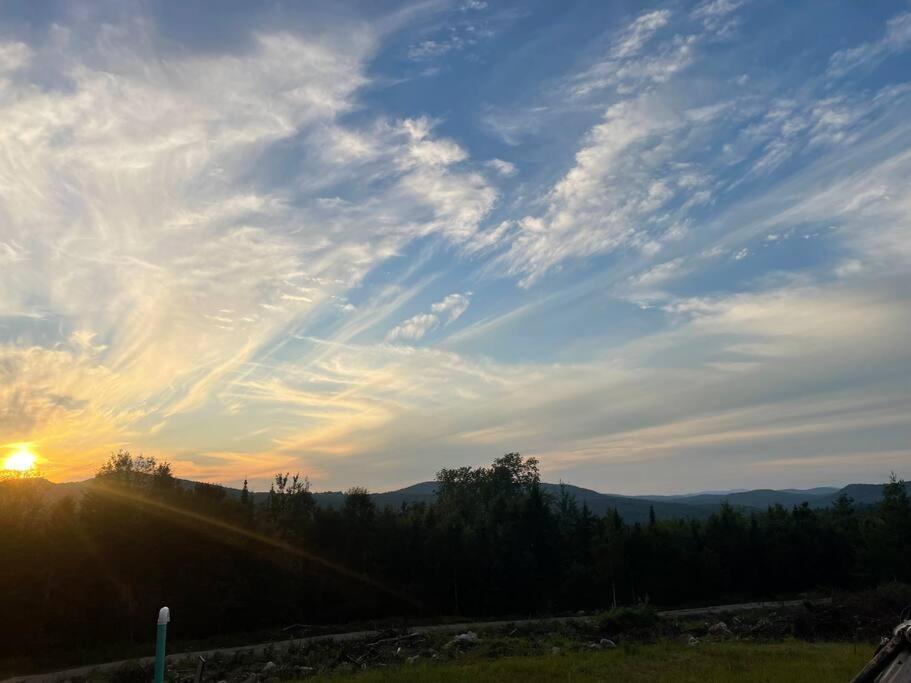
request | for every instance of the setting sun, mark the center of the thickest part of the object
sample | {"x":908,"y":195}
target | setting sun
{"x":22,"y":460}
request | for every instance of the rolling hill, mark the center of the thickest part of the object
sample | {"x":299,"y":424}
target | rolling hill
{"x":631,"y":508}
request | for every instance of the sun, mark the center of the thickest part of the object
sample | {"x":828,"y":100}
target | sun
{"x":22,"y":461}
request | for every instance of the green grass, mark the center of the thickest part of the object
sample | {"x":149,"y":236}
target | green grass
{"x":707,"y":662}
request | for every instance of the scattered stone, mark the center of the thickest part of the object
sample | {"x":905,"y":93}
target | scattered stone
{"x":467,"y":638}
{"x":414,"y":658}
{"x":268,"y":667}
{"x":555,"y":650}
{"x":762,"y":625}
{"x":607,"y":643}
{"x":720,"y":630}
{"x":693,"y":641}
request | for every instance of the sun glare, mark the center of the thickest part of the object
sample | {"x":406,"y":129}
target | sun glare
{"x":22,"y":460}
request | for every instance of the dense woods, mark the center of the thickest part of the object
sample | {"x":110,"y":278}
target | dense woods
{"x":79,"y":573}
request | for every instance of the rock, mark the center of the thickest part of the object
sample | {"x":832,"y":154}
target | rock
{"x":304,"y":670}
{"x":607,"y":643}
{"x":268,"y":667}
{"x":720,"y":630}
{"x":762,"y":625}
{"x":411,"y":660}
{"x":693,"y":641}
{"x":467,"y":638}
{"x":554,"y":650}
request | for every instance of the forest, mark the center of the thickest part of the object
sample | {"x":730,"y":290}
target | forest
{"x":79,"y":572}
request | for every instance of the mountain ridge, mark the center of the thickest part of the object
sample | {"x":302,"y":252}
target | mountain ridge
{"x":631,"y":508}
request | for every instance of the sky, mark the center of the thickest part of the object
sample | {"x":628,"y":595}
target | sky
{"x":661,"y":247}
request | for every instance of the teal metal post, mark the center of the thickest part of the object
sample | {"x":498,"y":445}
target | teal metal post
{"x":164,"y":616}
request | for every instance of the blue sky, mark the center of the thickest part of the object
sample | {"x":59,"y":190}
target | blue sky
{"x":660,"y":246}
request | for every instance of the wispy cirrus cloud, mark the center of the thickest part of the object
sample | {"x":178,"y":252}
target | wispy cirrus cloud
{"x":276,"y":248}
{"x":130,"y":216}
{"x":895,"y":39}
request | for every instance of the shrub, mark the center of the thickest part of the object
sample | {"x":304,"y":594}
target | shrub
{"x":628,"y":618}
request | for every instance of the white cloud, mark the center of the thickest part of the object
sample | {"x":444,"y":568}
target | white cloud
{"x":451,"y":308}
{"x":414,"y":328}
{"x":646,"y":288}
{"x":157,"y":269}
{"x":638,"y":33}
{"x":769,"y":370}
{"x":896,"y":39}
{"x":632,"y":74}
{"x":504,"y":168}
{"x":137,"y":208}
{"x":636,"y":170}
{"x":13,"y":56}
{"x":599,"y":204}
{"x":659,"y":273}
{"x":430,"y":49}
{"x":715,"y":14}
{"x":461,"y":33}
{"x":629,"y":68}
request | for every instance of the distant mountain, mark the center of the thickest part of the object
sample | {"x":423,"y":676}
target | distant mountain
{"x":863,"y":494}
{"x":631,"y":508}
{"x":818,"y":491}
{"x":49,"y":491}
{"x":760,"y":499}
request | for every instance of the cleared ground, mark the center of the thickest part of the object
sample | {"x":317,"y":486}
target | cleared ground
{"x":707,"y":662}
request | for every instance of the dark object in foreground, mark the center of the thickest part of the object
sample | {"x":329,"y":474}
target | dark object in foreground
{"x":892,"y":662}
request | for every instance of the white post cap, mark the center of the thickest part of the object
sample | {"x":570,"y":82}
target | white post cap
{"x":164,"y":616}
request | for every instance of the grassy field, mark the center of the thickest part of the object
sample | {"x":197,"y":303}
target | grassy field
{"x":708,"y":662}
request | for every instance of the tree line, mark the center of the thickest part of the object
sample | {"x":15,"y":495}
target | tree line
{"x":78,"y":573}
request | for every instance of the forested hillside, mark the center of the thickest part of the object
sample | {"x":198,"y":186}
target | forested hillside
{"x":631,"y":508}
{"x":493,"y":542}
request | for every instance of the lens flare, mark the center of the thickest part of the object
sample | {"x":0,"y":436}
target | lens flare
{"x":22,"y":460}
